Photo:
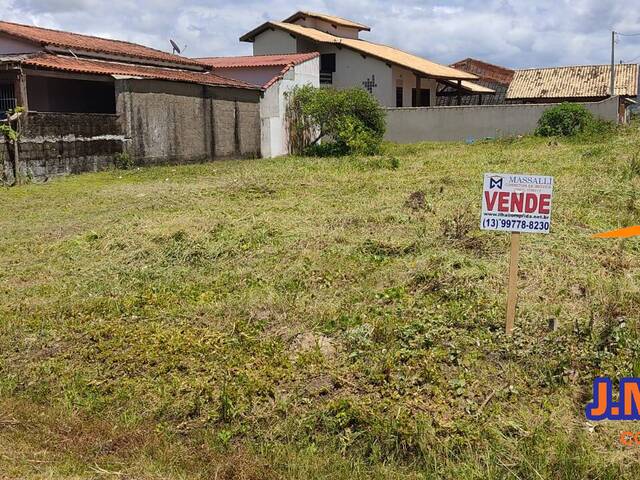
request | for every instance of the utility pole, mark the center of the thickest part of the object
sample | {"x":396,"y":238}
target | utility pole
{"x":613,"y":64}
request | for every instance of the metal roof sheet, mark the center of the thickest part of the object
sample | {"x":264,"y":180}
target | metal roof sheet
{"x":573,"y":82}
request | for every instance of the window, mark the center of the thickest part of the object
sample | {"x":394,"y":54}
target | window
{"x":399,"y":94}
{"x":327,"y":67}
{"x":425,"y":98}
{"x":7,"y":98}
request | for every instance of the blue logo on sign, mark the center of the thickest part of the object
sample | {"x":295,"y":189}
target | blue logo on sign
{"x":496,"y":182}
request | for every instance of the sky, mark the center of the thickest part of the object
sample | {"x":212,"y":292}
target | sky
{"x":514,"y":33}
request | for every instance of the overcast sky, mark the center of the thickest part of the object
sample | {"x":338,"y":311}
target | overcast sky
{"x":517,"y":33}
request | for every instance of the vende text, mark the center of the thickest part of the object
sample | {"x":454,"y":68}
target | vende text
{"x":512,"y":202}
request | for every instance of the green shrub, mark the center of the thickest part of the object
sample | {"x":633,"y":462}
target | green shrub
{"x":564,"y":120}
{"x":327,"y":122}
{"x":123,"y":161}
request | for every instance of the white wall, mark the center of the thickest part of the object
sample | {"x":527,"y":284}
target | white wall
{"x":337,"y":30}
{"x":408,"y":81}
{"x":272,"y":42}
{"x":273,"y":106}
{"x":352,"y":70}
{"x":409,"y":125}
{"x":11,"y":45}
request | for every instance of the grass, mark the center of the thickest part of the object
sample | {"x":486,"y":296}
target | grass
{"x":317,"y":318}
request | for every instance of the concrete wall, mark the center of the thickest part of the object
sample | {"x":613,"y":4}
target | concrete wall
{"x":169,"y":122}
{"x":273,"y":106}
{"x":54,"y":144}
{"x":408,"y":125}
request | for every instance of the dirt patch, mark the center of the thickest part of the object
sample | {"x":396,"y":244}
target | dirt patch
{"x":417,"y":201}
{"x":309,"y":341}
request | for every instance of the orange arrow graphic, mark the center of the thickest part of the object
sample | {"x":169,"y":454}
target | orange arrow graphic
{"x":621,"y":233}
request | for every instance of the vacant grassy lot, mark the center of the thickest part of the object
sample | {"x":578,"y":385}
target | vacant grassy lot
{"x":309,"y":318}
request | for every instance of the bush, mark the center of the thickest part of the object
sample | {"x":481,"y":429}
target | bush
{"x":327,"y":122}
{"x":123,"y":161}
{"x":564,"y":120}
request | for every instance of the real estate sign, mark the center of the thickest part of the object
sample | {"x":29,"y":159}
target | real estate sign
{"x":516,"y":203}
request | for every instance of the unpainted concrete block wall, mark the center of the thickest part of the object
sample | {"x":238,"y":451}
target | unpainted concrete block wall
{"x":54,"y":144}
{"x":168,"y":122}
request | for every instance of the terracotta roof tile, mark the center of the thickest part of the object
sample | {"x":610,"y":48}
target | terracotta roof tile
{"x":258,"y":60}
{"x":97,"y":67}
{"x":327,"y":18}
{"x":45,"y":36}
{"x":487,"y":72}
{"x":383,"y":52}
{"x":573,"y":82}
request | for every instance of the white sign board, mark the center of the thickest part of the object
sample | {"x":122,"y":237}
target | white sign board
{"x":516,"y":203}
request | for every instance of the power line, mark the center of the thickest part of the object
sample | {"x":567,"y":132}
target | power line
{"x":628,"y":34}
{"x":631,"y":61}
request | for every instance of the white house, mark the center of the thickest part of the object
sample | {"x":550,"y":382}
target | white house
{"x":277,"y":75}
{"x":396,"y":78}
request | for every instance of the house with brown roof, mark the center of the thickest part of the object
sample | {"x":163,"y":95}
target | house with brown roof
{"x":277,"y":75}
{"x":493,"y":77}
{"x":89,"y":100}
{"x":395,"y":77}
{"x":582,"y":83}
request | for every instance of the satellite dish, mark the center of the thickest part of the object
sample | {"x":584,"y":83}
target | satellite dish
{"x":176,"y":48}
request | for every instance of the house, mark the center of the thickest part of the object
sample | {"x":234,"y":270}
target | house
{"x":493,"y":77}
{"x":584,"y":83}
{"x":90,"y":99}
{"x":396,"y":78}
{"x":278,"y":75}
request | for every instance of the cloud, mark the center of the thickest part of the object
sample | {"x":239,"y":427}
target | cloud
{"x":517,"y":33}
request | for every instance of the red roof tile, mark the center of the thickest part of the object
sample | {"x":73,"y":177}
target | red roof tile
{"x":44,"y":37}
{"x":258,"y":60}
{"x":97,"y":67}
{"x":486,"y":71}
